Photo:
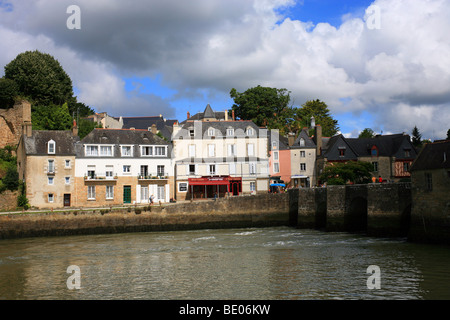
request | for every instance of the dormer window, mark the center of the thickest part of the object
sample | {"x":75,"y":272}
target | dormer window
{"x":211,"y":132}
{"x":51,"y":146}
{"x":302,"y":142}
{"x":250,"y":131}
{"x":374,"y":151}
{"x":230,"y":132}
{"x":341,"y":151}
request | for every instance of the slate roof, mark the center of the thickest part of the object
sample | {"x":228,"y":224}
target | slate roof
{"x":221,"y":127}
{"x":309,"y":143}
{"x":282,"y":140}
{"x":121,"y":137}
{"x":207,"y":113}
{"x":38,"y":142}
{"x":165,"y":126}
{"x":433,"y":156}
{"x":388,"y":146}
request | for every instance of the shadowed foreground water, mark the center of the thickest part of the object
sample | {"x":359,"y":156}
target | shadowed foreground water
{"x":262,"y":264}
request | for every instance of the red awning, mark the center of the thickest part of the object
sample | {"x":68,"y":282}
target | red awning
{"x":213,"y":181}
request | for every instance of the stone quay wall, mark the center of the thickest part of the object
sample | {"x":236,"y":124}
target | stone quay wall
{"x":239,"y":212}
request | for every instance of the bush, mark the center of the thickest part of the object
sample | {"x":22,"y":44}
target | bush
{"x":137,"y":211}
{"x":11,"y":179}
{"x":22,"y":202}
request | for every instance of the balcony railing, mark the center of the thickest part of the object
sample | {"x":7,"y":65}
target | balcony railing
{"x":100,"y":176}
{"x":153,"y":176}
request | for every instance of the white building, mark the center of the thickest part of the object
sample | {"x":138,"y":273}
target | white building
{"x":216,"y":156}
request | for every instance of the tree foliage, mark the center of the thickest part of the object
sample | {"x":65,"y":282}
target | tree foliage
{"x":40,"y":78}
{"x":357,"y":172}
{"x":262,"y":105}
{"x":367,"y":133}
{"x":416,"y":137}
{"x":271,"y":107}
{"x":51,"y":117}
{"x":9,"y":90}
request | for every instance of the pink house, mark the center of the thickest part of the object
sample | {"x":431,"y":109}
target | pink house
{"x":279,"y":160}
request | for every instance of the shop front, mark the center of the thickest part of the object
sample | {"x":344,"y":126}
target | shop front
{"x":214,"y":187}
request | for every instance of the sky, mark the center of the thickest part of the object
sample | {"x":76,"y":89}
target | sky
{"x":382,"y":64}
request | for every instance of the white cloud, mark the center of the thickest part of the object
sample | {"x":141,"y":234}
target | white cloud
{"x":400,"y":73}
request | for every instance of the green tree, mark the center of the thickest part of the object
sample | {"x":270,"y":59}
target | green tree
{"x":86,"y":126}
{"x":359,"y":172}
{"x":367,"y":133}
{"x":51,"y":117}
{"x":11,"y":179}
{"x":448,"y":134}
{"x":263,"y":105}
{"x":9,"y":90}
{"x":40,"y":78}
{"x":319,"y":110}
{"x":416,"y":137}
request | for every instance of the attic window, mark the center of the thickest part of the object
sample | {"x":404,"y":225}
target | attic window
{"x":374,"y":151}
{"x":302,"y":142}
{"x":407,"y":152}
{"x":230,"y":132}
{"x":51,"y":147}
{"x":250,"y":131}
{"x":342,"y":151}
{"x":211,"y":132}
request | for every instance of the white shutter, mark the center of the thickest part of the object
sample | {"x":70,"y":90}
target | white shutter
{"x":250,"y":149}
{"x":192,"y":150}
{"x":232,"y":168}
{"x":167,"y":193}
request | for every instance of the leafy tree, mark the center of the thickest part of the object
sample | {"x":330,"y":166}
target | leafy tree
{"x":40,"y":78}
{"x":448,"y":134}
{"x":11,"y":179}
{"x":9,"y":90}
{"x":367,"y":133}
{"x":416,"y":137}
{"x":359,"y":172}
{"x":319,"y":110}
{"x":51,"y":117}
{"x":263,"y":105}
{"x":86,"y":126}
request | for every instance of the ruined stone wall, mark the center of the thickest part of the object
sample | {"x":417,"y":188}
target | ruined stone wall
{"x":11,"y":123}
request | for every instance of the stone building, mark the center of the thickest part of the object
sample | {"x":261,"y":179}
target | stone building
{"x":12,"y":121}
{"x":120,"y":166}
{"x":390,"y":155}
{"x":46,"y":162}
{"x":303,"y":161}
{"x":215,"y":155}
{"x":430,"y":178}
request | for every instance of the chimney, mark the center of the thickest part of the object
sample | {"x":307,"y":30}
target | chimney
{"x":318,"y":139}
{"x":232,"y":115}
{"x":74,"y":128}
{"x":154,"y":130}
{"x":291,"y":139}
{"x":188,"y":115}
{"x":226,"y":115}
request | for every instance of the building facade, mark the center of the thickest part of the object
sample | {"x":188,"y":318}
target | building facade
{"x":217,"y":157}
{"x":115,"y":167}
{"x":303,"y":161}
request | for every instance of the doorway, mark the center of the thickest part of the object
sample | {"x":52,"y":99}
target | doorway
{"x":126,"y":194}
{"x":67,"y":200}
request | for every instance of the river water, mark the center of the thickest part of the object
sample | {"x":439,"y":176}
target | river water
{"x":250,"y":264}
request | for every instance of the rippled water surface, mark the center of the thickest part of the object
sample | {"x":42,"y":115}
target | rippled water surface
{"x":268,"y":263}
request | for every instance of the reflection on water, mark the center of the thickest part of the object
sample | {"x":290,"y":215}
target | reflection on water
{"x":269,"y":263}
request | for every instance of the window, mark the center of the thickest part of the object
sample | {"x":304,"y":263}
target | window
{"x":429,"y":181}
{"x":252,"y":186}
{"x":160,"y":151}
{"x":252,"y":168}
{"x":51,"y":197}
{"x":375,"y":166}
{"x":51,"y":147}
{"x":126,"y":169}
{"x":146,"y":151}
{"x":126,"y":151}
{"x":341,"y":151}
{"x":192,"y":169}
{"x":67,"y":180}
{"x":211,"y":132}
{"x":182,"y":186}
{"x":250,"y":131}
{"x":231,"y":150}
{"x":407,"y":153}
{"x":211,"y":150}
{"x":106,"y":151}
{"x":91,"y":150}
{"x":51,"y":180}
{"x":192,"y":150}
{"x":276,"y":167}
{"x":232,"y":168}
{"x":405,"y":166}
{"x":274,"y":144}
{"x":230,"y":132}
{"x":109,"y":172}
{"x":109,"y":192}
{"x":144,"y":171}
{"x":191,"y":133}
{"x":212,"y":169}
{"x":51,"y":166}
{"x":160,"y":192}
{"x":275,"y":155}
{"x":302,"y":142}
{"x":144,"y":194}
{"x":374,"y":152}
{"x":91,"y":192}
{"x":302,"y":166}
{"x":250,"y":149}
{"x":67,"y":163}
{"x":160,"y":170}
{"x":302,"y":154}
{"x":91,"y":173}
